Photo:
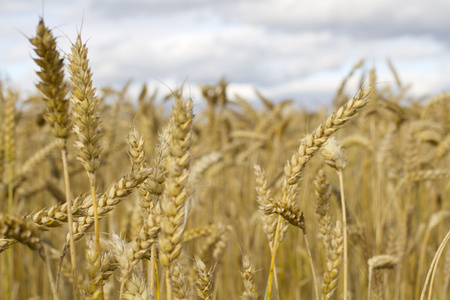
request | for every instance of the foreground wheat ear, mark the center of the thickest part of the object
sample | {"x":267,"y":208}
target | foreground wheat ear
{"x":173,"y":204}
{"x":86,"y":113}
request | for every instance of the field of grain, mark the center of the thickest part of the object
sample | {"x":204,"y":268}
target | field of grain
{"x":234,"y":201}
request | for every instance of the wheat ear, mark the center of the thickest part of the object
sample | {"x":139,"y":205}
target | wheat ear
{"x":125,"y":259}
{"x":203,"y":281}
{"x":135,"y":287}
{"x":179,"y":282}
{"x":376,"y":263}
{"x":321,"y":188}
{"x":51,"y":82}
{"x":269,"y":221}
{"x":21,"y":230}
{"x":199,"y":232}
{"x":175,"y":194}
{"x":136,"y":149}
{"x":94,"y":282}
{"x":248,"y":274}
{"x":333,"y":262}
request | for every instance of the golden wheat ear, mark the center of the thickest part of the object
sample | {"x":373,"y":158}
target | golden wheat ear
{"x":23,"y":231}
{"x":173,"y":203}
{"x":86,"y":108}
{"x":51,"y":83}
{"x":204,"y":285}
{"x":248,"y":274}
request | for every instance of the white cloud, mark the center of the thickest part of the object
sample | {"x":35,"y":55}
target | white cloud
{"x":299,"y":49}
{"x":365,"y":18}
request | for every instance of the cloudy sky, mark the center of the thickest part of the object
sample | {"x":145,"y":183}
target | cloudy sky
{"x":298,"y":49}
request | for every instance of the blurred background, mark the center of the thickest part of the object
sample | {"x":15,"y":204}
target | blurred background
{"x":297,"y":49}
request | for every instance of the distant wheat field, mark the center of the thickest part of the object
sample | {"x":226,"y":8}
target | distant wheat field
{"x":104,"y":196}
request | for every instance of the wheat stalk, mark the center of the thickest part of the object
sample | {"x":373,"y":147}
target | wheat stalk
{"x":173,"y":204}
{"x":55,"y":91}
{"x":309,"y":146}
{"x":87,"y":123}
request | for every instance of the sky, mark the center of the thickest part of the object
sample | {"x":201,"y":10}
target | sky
{"x":296,"y":49}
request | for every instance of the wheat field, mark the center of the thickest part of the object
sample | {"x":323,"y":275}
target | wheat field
{"x":104,"y":196}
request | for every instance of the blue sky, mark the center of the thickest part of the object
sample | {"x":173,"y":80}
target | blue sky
{"x":299,"y":49}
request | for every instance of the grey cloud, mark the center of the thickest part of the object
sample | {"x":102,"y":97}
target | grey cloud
{"x":362,"y":19}
{"x":125,"y":9}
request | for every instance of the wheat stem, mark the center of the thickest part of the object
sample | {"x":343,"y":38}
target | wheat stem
{"x":69,"y":215}
{"x":151,"y":271}
{"x":313,"y":270}
{"x":344,"y":228}
{"x":155,"y":265}
{"x":369,"y":285}
{"x":272,"y":262}
{"x":433,"y":267}
{"x":168,"y":285}
{"x":96,"y":225}
{"x":49,"y":274}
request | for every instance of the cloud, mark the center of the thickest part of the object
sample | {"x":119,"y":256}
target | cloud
{"x":365,"y":19}
{"x":296,"y":49}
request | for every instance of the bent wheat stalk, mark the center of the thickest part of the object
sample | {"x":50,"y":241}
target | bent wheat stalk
{"x":309,"y":146}
{"x":433,"y":267}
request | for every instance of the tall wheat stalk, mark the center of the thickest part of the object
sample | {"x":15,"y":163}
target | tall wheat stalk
{"x":54,"y":90}
{"x":86,"y":124}
{"x":433,"y":267}
{"x":174,"y":206}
